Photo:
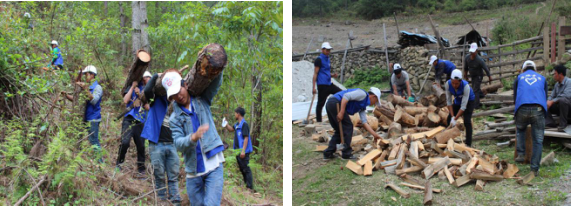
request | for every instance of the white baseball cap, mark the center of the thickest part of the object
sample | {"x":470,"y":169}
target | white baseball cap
{"x":432,"y":59}
{"x":528,"y":63}
{"x":377,"y":93}
{"x":473,"y":48}
{"x":90,"y":68}
{"x":147,"y":74}
{"x":54,"y":42}
{"x":326,"y":45}
{"x":396,"y":66}
{"x":456,"y":74}
{"x":172,"y":83}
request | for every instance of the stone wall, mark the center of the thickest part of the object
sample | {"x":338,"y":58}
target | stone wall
{"x":415,"y":60}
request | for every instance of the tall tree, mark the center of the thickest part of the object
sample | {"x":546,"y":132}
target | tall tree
{"x":139,"y":23}
{"x":122,"y":21}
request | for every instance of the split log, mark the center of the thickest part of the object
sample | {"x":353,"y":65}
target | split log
{"x":431,"y":120}
{"x":404,"y":118}
{"x":440,"y":94}
{"x":435,"y":167}
{"x":320,"y":148}
{"x":444,"y":113}
{"x":548,"y":159}
{"x":420,"y":118}
{"x":373,"y":123}
{"x":462,"y":181}
{"x":502,"y":124}
{"x":393,"y":153}
{"x":526,"y":179}
{"x":400,"y":191}
{"x":386,"y":111}
{"x":491,"y":88}
{"x":416,"y":130}
{"x":480,"y":185}
{"x":410,"y":179}
{"x":416,"y":161}
{"x":450,"y":133}
{"x":454,"y":161}
{"x":487,"y":166}
{"x":428,"y":197}
{"x":415,"y":110}
{"x":385,"y":120}
{"x":472,"y":164}
{"x":414,"y":150}
{"x":485,"y":176}
{"x":449,"y":176}
{"x":394,"y":130}
{"x":369,"y":157}
{"x":463,"y":147}
{"x":397,"y":100}
{"x":367,"y":169}
{"x":408,"y":170}
{"x":210,"y":63}
{"x":380,"y":159}
{"x":495,"y":111}
{"x":428,"y":134}
{"x":419,"y":187}
{"x":354,"y":167}
{"x":138,"y":67}
{"x":389,"y":163}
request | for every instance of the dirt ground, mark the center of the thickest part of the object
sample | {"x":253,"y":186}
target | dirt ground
{"x":319,"y":182}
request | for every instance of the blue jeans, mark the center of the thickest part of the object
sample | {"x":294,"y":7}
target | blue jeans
{"x":206,"y":189}
{"x":94,"y":138}
{"x":165,"y":160}
{"x":533,"y":115}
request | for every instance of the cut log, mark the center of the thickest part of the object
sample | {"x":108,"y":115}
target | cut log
{"x":428,"y":100}
{"x":432,"y":120}
{"x":485,"y":176}
{"x":355,"y":119}
{"x":415,"y":110}
{"x":494,"y":111}
{"x":428,"y":197}
{"x":502,"y":124}
{"x":440,"y":94}
{"x":434,"y":168}
{"x":400,"y":191}
{"x":414,"y":150}
{"x":491,"y":88}
{"x":393,"y":153}
{"x":367,"y":169}
{"x":416,"y":130}
{"x":463,"y":147}
{"x":487,"y":166}
{"x":472,"y":164}
{"x":394,"y":130}
{"x":410,"y":179}
{"x":404,"y":118}
{"x":548,"y":159}
{"x":444,"y":113}
{"x":480,"y":185}
{"x":384,"y":119}
{"x":450,"y":133}
{"x":386,"y":111}
{"x":210,"y":63}
{"x":354,"y":167}
{"x":557,"y":134}
{"x":397,"y":100}
{"x":138,"y":67}
{"x":373,"y":122}
{"x":369,"y":157}
{"x":420,"y":118}
{"x":462,"y":181}
{"x":417,"y":162}
{"x":448,"y":174}
{"x":526,"y":179}
{"x":454,"y":161}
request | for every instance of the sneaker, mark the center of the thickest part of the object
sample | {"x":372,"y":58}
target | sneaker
{"x":351,"y":157}
{"x":519,"y":159}
{"x":328,"y":157}
{"x":535,"y":173}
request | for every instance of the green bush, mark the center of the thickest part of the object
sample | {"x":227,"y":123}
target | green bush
{"x":368,"y":77}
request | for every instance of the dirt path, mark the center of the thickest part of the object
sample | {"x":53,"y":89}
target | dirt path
{"x":540,"y":7}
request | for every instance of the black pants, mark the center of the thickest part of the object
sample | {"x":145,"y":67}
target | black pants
{"x":476,"y":85}
{"x":132,"y":128}
{"x":347,"y":127}
{"x":561,"y":108}
{"x":245,"y":169}
{"x":467,"y":115}
{"x":323,"y":92}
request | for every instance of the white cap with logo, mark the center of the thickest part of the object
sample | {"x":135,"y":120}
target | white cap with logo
{"x":172,"y":83}
{"x":326,"y":45}
{"x":54,"y":42}
{"x":456,"y":74}
{"x":147,"y":74}
{"x":432,"y":59}
{"x":528,"y":63}
{"x":377,"y":93}
{"x":473,"y":48}
{"x":90,"y":68}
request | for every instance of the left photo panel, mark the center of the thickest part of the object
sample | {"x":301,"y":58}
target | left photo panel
{"x":141,"y":103}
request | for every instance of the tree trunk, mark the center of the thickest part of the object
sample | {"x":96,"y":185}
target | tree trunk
{"x":397,"y":100}
{"x":136,"y":25}
{"x":144,"y":25}
{"x":139,"y":66}
{"x":491,"y":88}
{"x":105,"y":8}
{"x":386,"y":112}
{"x":256,"y":108}
{"x":415,"y":110}
{"x":210,"y":63}
{"x":404,"y":118}
{"x":444,"y":136}
{"x":122,"y":21}
{"x":440,"y":94}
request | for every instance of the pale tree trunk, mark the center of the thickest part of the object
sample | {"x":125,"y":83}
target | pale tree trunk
{"x":122,"y":20}
{"x":105,"y":8}
{"x":136,"y":24}
{"x":256,"y":109}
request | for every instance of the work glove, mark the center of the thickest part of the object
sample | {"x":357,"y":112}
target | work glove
{"x":453,"y":122}
{"x":224,"y":122}
{"x":411,"y":99}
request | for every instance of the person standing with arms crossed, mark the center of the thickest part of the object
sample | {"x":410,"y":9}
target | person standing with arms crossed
{"x":323,"y":79}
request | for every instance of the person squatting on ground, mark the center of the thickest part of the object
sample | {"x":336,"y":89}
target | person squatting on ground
{"x":195,"y":136}
{"x":530,"y":89}
{"x":241,"y":141}
{"x":400,"y":83}
{"x":339,"y":108}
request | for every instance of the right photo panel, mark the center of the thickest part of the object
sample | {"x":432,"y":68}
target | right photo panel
{"x":447,"y":102}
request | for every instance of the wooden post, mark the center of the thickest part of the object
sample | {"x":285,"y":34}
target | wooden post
{"x":396,"y":24}
{"x":553,"y":43}
{"x":385,"y":44}
{"x":344,"y":61}
{"x":527,"y":146}
{"x":308,"y":47}
{"x":350,"y":37}
{"x":441,"y":47}
{"x":500,"y":67}
{"x":546,"y":44}
{"x":561,"y":42}
{"x":541,"y":27}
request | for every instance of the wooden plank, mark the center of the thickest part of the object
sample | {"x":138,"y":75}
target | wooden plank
{"x":462,"y":181}
{"x":546,"y":44}
{"x":485,"y":176}
{"x":510,"y":171}
{"x":367,"y":158}
{"x":480,"y":185}
{"x":556,"y":134}
{"x":408,"y":170}
{"x":400,"y":191}
{"x":472,"y":164}
{"x":354,"y":167}
{"x":455,"y":161}
{"x":487,"y":166}
{"x":526,"y":179}
{"x":449,"y":176}
{"x":427,"y":134}
{"x":367,"y":169}
{"x":428,"y":197}
{"x":419,"y":187}
{"x":393,"y":153}
{"x":434,"y":168}
{"x":548,"y":159}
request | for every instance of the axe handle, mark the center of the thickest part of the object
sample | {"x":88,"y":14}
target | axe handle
{"x":310,"y":110}
{"x":340,"y":125}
